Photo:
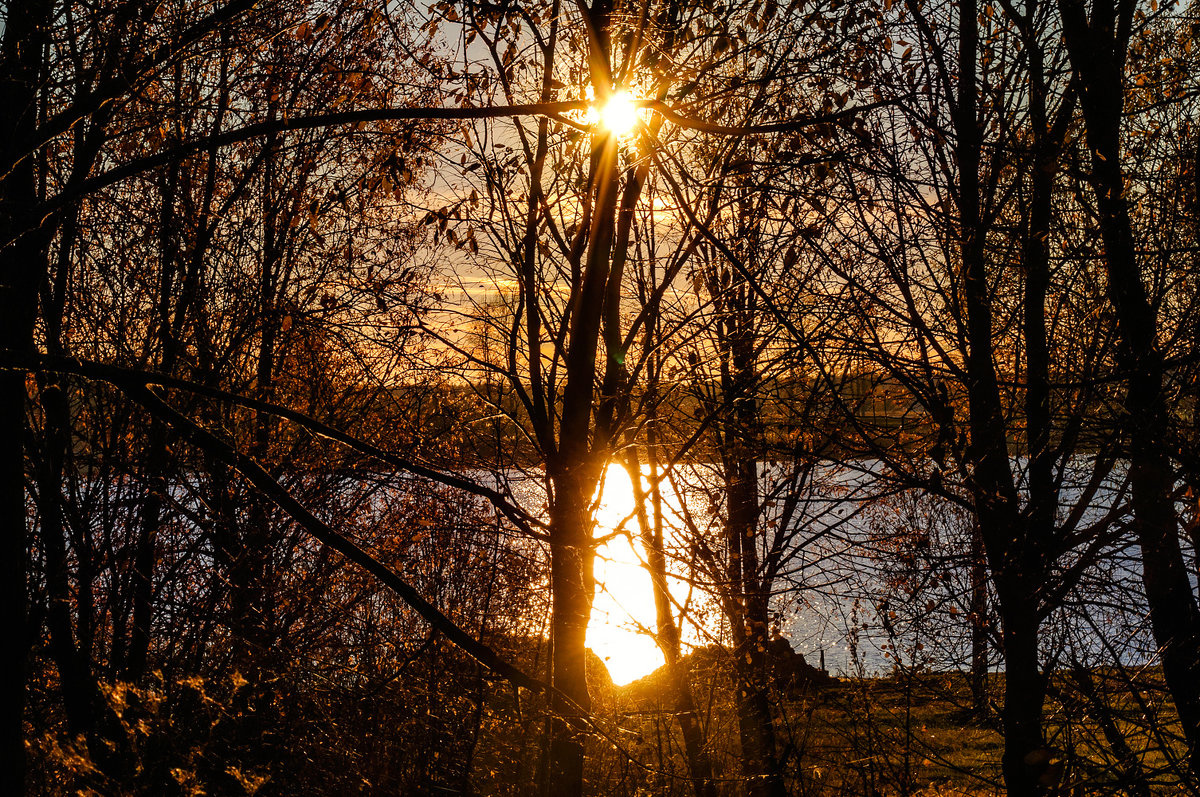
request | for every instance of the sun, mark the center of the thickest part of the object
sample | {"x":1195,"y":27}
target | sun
{"x":620,"y":114}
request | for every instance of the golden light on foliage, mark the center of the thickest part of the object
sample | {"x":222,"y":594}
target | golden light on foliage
{"x":620,"y":113}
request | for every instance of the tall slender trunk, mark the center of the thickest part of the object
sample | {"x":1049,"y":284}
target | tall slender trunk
{"x":1097,"y":50}
{"x":667,"y":630}
{"x":87,"y":712}
{"x":12,"y":579}
{"x":747,"y":605}
{"x":1035,"y":255}
{"x":78,"y":688}
{"x":250,"y":576}
{"x":1025,"y":758}
{"x":751,"y":640}
{"x":23,"y":251}
{"x":979,"y":634}
{"x":82,"y":702}
{"x":178,"y":278}
{"x":156,"y":440}
{"x":572,"y":587}
{"x":1014,"y":557}
{"x":575,"y":467}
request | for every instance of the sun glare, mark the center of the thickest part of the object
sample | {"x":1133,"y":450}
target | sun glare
{"x":623,"y":611}
{"x":620,"y":114}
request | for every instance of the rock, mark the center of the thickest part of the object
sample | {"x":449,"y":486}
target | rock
{"x":600,"y":683}
{"x":790,"y":671}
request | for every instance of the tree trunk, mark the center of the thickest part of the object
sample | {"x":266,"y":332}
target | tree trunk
{"x":979,"y":634}
{"x":582,"y":448}
{"x":156,"y":443}
{"x":748,"y":603}
{"x":23,"y":248}
{"x":1013,"y":555}
{"x":750,"y":636}
{"x":571,"y":584}
{"x":12,"y":578}
{"x":667,"y":631}
{"x":1025,"y":760}
{"x":1097,"y":51}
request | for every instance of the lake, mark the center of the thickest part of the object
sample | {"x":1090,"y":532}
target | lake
{"x":868,"y":577}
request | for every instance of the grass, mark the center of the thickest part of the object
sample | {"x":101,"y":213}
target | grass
{"x":916,"y":733}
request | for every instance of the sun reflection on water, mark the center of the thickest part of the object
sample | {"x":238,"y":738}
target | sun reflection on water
{"x":623,"y":615}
